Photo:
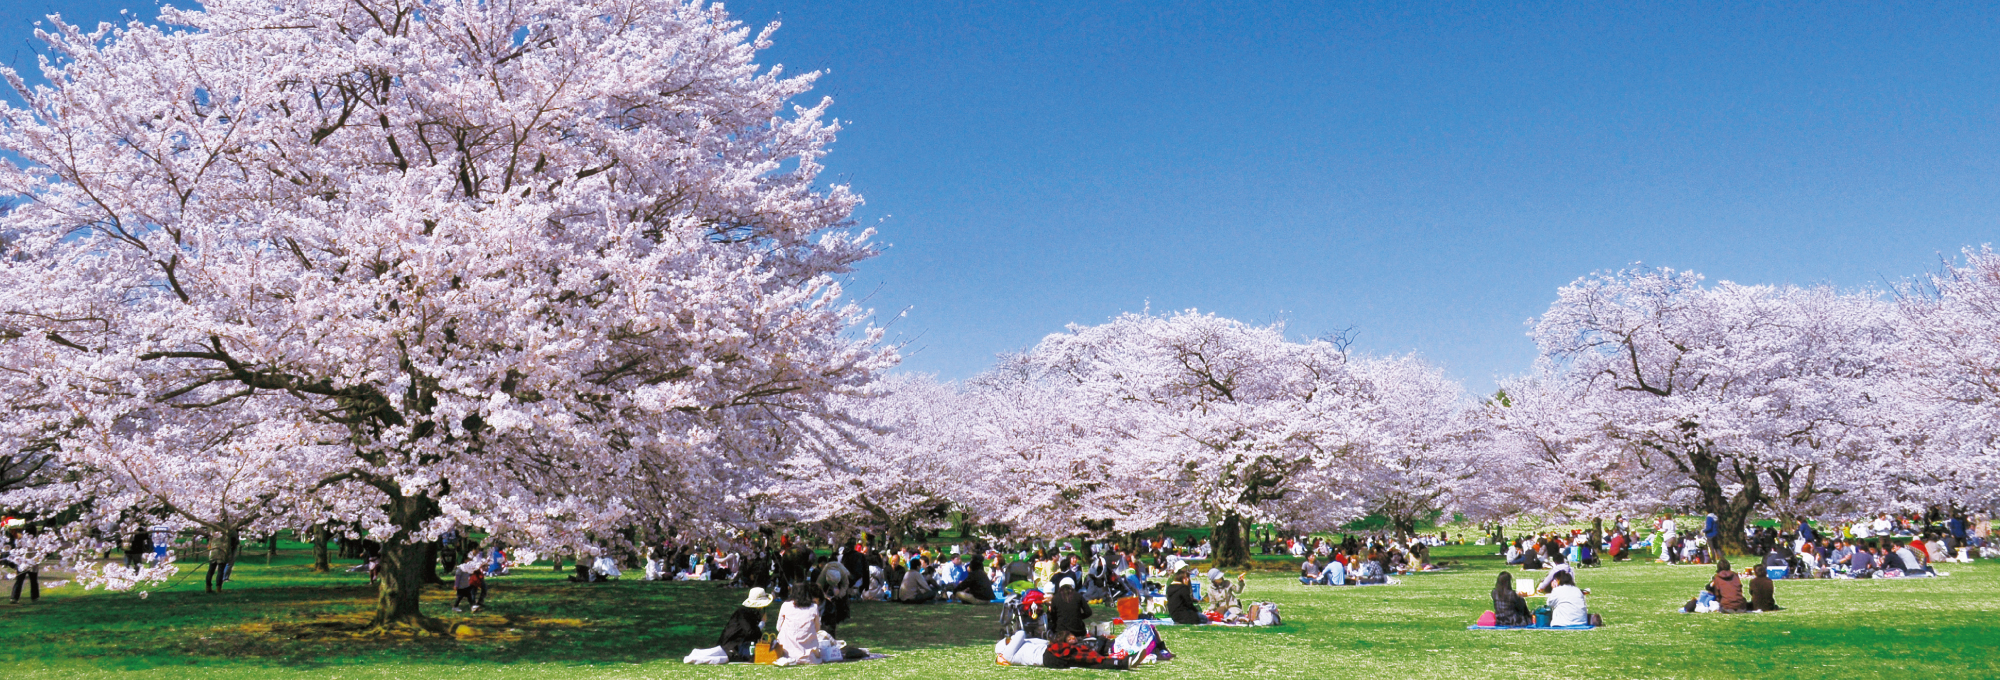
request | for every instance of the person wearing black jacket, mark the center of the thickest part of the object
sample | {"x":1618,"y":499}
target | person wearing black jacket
{"x":1761,"y":592}
{"x":1508,"y":607}
{"x":1180,"y":601}
{"x":977,"y":588}
{"x":856,"y":565}
{"x":745,"y":627}
{"x":138,"y":549}
{"x":1069,"y":613}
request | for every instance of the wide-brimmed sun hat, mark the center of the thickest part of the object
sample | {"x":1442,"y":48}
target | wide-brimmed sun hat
{"x":1215,"y":574}
{"x":758,"y":599}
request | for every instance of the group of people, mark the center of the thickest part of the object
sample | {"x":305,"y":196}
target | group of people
{"x":1355,"y":562}
{"x":1567,"y":603}
{"x":1725,"y":592}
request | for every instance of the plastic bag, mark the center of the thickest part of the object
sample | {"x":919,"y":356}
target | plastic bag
{"x":714,"y":656}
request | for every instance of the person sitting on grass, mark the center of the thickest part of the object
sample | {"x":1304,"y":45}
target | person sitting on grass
{"x":1860,"y":562}
{"x":1509,"y":609}
{"x":1180,"y":601}
{"x":1309,"y":574}
{"x":1728,"y":589}
{"x":1913,"y":564}
{"x":1223,"y":595}
{"x":1566,"y":603}
{"x":1067,"y":610}
{"x":745,"y":627}
{"x":978,"y":587}
{"x":1370,"y":571}
{"x":916,"y":588}
{"x":798,"y":626}
{"x":1548,"y":583}
{"x":1761,"y":591}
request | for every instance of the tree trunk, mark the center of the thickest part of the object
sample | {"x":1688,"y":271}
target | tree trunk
{"x":350,"y":548}
{"x":429,"y":573}
{"x":1596,"y":534}
{"x":404,"y":565}
{"x":322,"y":562}
{"x":1731,"y":512}
{"x":1231,"y":550}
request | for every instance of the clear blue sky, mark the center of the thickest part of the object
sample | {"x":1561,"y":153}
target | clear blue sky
{"x":1426,"y":176}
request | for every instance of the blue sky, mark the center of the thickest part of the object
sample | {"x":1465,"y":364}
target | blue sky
{"x":1428,"y":177}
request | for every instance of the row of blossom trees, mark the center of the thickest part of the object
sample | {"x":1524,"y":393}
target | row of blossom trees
{"x":1653,"y":391}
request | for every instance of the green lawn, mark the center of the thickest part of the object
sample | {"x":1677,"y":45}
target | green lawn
{"x":282,"y":620}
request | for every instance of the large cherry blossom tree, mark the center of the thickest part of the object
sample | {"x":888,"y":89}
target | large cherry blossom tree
{"x":546,"y":268}
{"x":1950,"y":439}
{"x":1728,"y":399}
{"x":1223,"y":421}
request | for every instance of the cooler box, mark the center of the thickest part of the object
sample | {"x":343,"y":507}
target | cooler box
{"x":1128,"y":608}
{"x":1777,"y":573}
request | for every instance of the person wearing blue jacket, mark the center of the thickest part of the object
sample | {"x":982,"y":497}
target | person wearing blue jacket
{"x":1711,"y":529}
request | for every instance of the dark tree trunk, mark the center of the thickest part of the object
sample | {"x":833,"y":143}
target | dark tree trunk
{"x":1731,"y":512}
{"x":322,"y":562}
{"x":1232,"y":551}
{"x":404,"y":564}
{"x":1596,"y":534}
{"x":429,"y":574}
{"x":350,"y":548}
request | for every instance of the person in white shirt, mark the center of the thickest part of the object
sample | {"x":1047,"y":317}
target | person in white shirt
{"x":1566,"y":603}
{"x":1882,"y":525}
{"x":605,"y":568}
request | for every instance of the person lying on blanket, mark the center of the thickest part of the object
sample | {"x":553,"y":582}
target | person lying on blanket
{"x":1067,"y":650}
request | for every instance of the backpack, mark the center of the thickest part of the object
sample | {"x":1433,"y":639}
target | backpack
{"x":1265,"y":614}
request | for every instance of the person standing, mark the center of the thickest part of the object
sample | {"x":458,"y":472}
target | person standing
{"x":218,"y":563}
{"x":834,"y":584}
{"x":138,"y":549}
{"x":469,"y":580}
{"x":27,"y":569}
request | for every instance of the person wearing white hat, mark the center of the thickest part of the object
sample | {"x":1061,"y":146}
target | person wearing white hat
{"x":745,"y":627}
{"x":1222,"y":594}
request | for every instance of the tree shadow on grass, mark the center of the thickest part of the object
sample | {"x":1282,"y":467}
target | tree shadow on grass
{"x":534,"y":617}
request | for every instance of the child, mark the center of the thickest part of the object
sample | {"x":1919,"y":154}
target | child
{"x":470,"y":581}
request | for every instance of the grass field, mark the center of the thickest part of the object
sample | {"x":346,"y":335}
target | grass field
{"x":283,"y":621}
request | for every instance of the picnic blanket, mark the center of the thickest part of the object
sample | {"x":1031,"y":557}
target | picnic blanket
{"x":1170,"y":622}
{"x":871,"y":657}
{"x":1531,"y":627}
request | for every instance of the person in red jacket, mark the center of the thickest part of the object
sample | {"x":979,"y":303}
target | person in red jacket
{"x":1067,"y":651}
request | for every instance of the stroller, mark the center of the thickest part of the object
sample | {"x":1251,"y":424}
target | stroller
{"x":1026,"y":611}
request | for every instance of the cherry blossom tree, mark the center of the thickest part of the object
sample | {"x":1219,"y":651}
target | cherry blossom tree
{"x":1729,"y":398}
{"x":1426,"y":448}
{"x":545,"y":268}
{"x":1221,"y":419}
{"x":1950,"y":444}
